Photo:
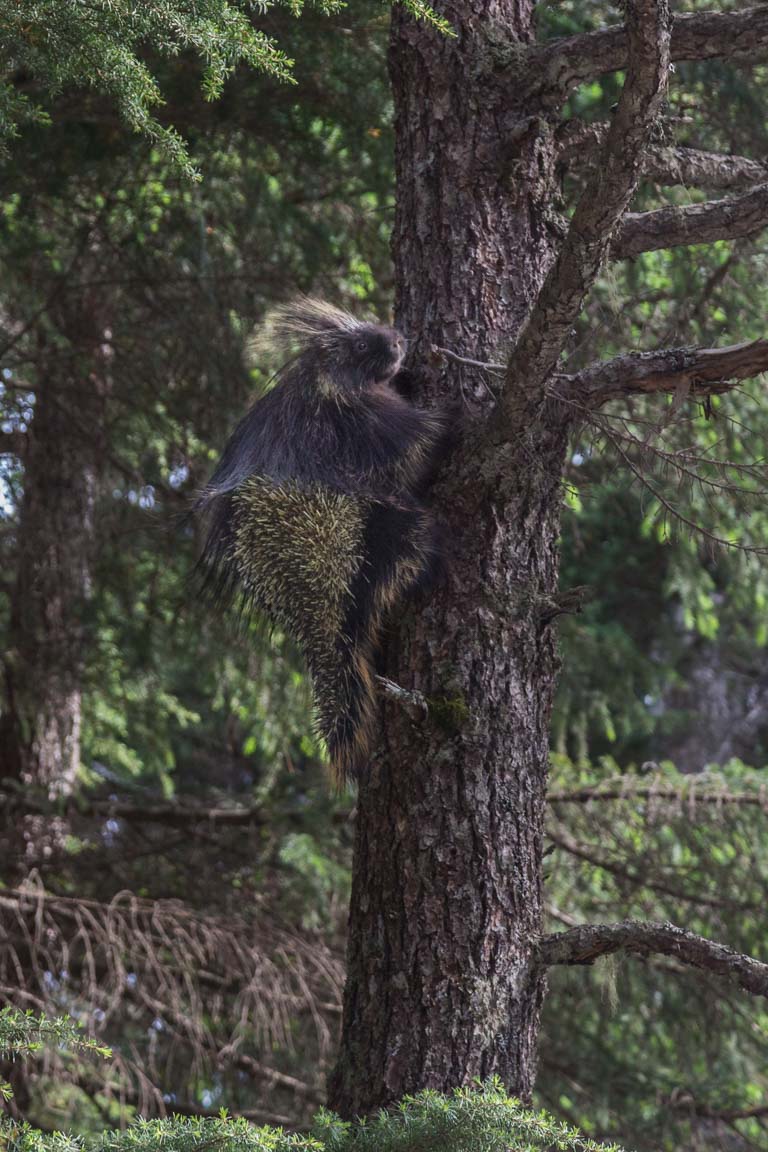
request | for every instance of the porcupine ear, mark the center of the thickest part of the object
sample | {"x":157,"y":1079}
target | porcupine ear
{"x":300,"y":322}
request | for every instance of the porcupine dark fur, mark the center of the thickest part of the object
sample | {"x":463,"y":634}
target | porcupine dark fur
{"x":315,"y":517}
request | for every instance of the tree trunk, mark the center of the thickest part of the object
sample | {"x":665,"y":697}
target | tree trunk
{"x":446,"y":900}
{"x":43,"y":666}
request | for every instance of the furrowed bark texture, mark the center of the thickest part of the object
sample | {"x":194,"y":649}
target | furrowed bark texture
{"x":40,"y":718}
{"x":443,"y":983}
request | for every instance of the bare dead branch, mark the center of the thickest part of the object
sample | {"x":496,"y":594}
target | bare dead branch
{"x":593,"y":855}
{"x":150,"y":1101}
{"x":554,"y":69}
{"x":230,"y":1056}
{"x":214,"y":982}
{"x":691,"y":466}
{"x":606,"y":196}
{"x":688,"y":372}
{"x":176,"y":815}
{"x":254,"y":1115}
{"x":173,"y":815}
{"x":447,"y":354}
{"x":672,"y":510}
{"x":667,"y":165}
{"x":588,"y":942}
{"x":728,"y":219}
{"x":416,"y":702}
{"x":272,"y":1076}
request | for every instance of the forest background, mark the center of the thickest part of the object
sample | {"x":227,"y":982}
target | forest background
{"x":175,"y":870}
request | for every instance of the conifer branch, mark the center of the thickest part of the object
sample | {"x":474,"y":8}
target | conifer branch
{"x":593,"y":855}
{"x":182,"y":959}
{"x":554,"y":69}
{"x":728,"y":219}
{"x":171,"y":815}
{"x":588,"y":942}
{"x":606,"y":196}
{"x":686,"y":372}
{"x":103,"y":46}
{"x":147,"y":1102}
{"x":580,"y":145}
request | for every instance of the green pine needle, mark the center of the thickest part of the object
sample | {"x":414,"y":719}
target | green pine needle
{"x":96,"y":44}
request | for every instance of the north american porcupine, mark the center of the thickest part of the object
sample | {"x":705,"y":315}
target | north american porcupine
{"x":315,"y":514}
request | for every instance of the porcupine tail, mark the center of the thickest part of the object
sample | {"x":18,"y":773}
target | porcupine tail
{"x":326,"y":566}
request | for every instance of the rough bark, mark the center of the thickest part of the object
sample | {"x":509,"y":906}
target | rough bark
{"x":446,"y":903}
{"x":606,"y":196}
{"x":696,"y":371}
{"x":556,"y":68}
{"x":728,"y":219}
{"x":445,"y":977}
{"x":587,"y":942}
{"x":43,"y":664}
{"x":580,"y":144}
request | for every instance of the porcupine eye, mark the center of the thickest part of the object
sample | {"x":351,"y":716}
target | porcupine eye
{"x":361,"y":346}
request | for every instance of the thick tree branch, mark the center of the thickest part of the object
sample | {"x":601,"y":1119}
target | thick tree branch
{"x":696,"y":168}
{"x":605,"y":198}
{"x":556,"y":68}
{"x":694,"y":372}
{"x":667,"y":165}
{"x":585,"y":944}
{"x":728,"y":219}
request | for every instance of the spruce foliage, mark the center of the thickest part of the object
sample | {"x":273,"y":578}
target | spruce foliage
{"x":101,"y":45}
{"x":47,"y":47}
{"x":469,"y":1120}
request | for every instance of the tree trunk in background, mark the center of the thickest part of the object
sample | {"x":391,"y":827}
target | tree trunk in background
{"x":40,"y":723}
{"x":446,"y":902}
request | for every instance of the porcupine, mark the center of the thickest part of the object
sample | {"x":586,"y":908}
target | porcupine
{"x":316,"y":518}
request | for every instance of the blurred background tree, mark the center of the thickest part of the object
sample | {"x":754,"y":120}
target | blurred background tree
{"x":175,"y":873}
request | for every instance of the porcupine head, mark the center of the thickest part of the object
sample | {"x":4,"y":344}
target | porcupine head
{"x":313,"y":525}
